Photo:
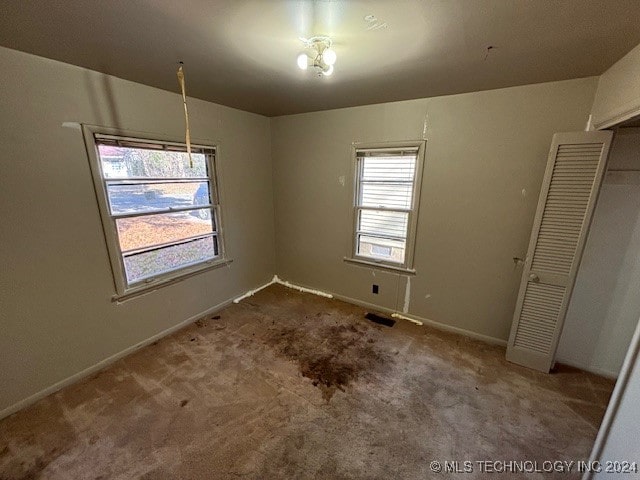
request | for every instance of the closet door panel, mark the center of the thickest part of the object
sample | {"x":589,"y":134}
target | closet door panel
{"x":575,"y":168}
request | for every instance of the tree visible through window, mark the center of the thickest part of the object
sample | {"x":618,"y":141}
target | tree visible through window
{"x":161,"y":210}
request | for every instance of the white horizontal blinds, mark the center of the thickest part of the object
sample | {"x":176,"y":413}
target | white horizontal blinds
{"x":130,"y":142}
{"x":163,"y":206}
{"x":540,"y":310}
{"x":564,"y":212}
{"x":392,"y":225}
{"x":387,"y":181}
{"x":574,"y":173}
{"x":384,"y":201}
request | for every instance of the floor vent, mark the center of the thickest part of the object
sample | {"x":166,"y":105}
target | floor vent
{"x":380,"y":320}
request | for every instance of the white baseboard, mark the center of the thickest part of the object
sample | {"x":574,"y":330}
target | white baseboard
{"x":432,"y":323}
{"x":426,"y":321}
{"x":19,"y":405}
{"x":408,"y":316}
{"x":127,"y":351}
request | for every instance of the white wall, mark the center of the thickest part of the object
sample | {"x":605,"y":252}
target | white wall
{"x":485,"y":159}
{"x":605,"y":305}
{"x":56,"y":314}
{"x":623,"y":443}
{"x":618,"y":440}
{"x":618,"y":95}
{"x":618,"y":98}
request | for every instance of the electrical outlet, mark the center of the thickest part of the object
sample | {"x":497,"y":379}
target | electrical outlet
{"x":374,"y":289}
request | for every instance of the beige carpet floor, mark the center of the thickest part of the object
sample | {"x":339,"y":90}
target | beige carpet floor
{"x":291,"y":385}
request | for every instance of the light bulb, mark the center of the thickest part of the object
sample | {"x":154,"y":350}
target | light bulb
{"x":329,"y":56}
{"x":303,"y":61}
{"x":328,"y":71}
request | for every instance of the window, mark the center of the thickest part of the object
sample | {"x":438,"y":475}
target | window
{"x":160,"y":213}
{"x":387,"y":188}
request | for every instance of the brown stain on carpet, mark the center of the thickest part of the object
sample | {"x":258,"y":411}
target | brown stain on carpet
{"x":331,"y":356}
{"x":27,"y":456}
{"x":411,"y":394}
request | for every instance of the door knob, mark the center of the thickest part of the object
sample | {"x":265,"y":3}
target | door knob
{"x":534,"y":278}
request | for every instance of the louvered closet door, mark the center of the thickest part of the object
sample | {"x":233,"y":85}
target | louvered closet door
{"x":569,"y":191}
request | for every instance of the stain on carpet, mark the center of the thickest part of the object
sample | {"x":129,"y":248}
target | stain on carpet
{"x":399,"y":398}
{"x":331,"y":356}
{"x":27,"y":457}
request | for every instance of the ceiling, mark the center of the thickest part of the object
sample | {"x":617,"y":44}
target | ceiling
{"x":242,"y":53}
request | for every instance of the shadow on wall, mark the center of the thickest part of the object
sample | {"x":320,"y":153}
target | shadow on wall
{"x":101,"y":98}
{"x":605,"y":307}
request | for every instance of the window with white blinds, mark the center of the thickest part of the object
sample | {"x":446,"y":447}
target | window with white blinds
{"x":385,"y":204}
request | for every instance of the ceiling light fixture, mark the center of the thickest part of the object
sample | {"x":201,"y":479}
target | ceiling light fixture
{"x":322,"y":56}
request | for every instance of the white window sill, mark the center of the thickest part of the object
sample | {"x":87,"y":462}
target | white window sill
{"x":169,"y":279}
{"x":383,"y":266}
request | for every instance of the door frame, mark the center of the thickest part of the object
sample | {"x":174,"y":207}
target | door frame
{"x":632,"y":358}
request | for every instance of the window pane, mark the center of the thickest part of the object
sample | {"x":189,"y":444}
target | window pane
{"x":148,"y":264}
{"x":147,"y":197}
{"x":391,"y":169}
{"x":149,"y":230}
{"x":381,"y":248}
{"x":126,"y":162}
{"x":375,"y":222}
{"x":386,"y":195}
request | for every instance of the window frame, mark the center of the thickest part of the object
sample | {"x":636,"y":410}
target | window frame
{"x":407,"y":266}
{"x":124,"y":290}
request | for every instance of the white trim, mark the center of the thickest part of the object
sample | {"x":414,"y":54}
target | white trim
{"x":251,"y":293}
{"x":186,"y":272}
{"x":589,"y":126}
{"x":284,"y":283}
{"x":302,"y":289}
{"x":405,"y":316}
{"x":21,"y":404}
{"x":409,"y":319}
{"x":417,"y":147}
{"x":424,"y":321}
{"x":401,"y":149}
{"x":30,"y":400}
{"x":618,"y":115}
{"x":632,"y":357}
{"x":383,"y":266}
{"x":407,"y":295}
{"x":123,"y":289}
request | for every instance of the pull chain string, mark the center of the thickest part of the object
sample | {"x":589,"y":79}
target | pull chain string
{"x":186,"y":113}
